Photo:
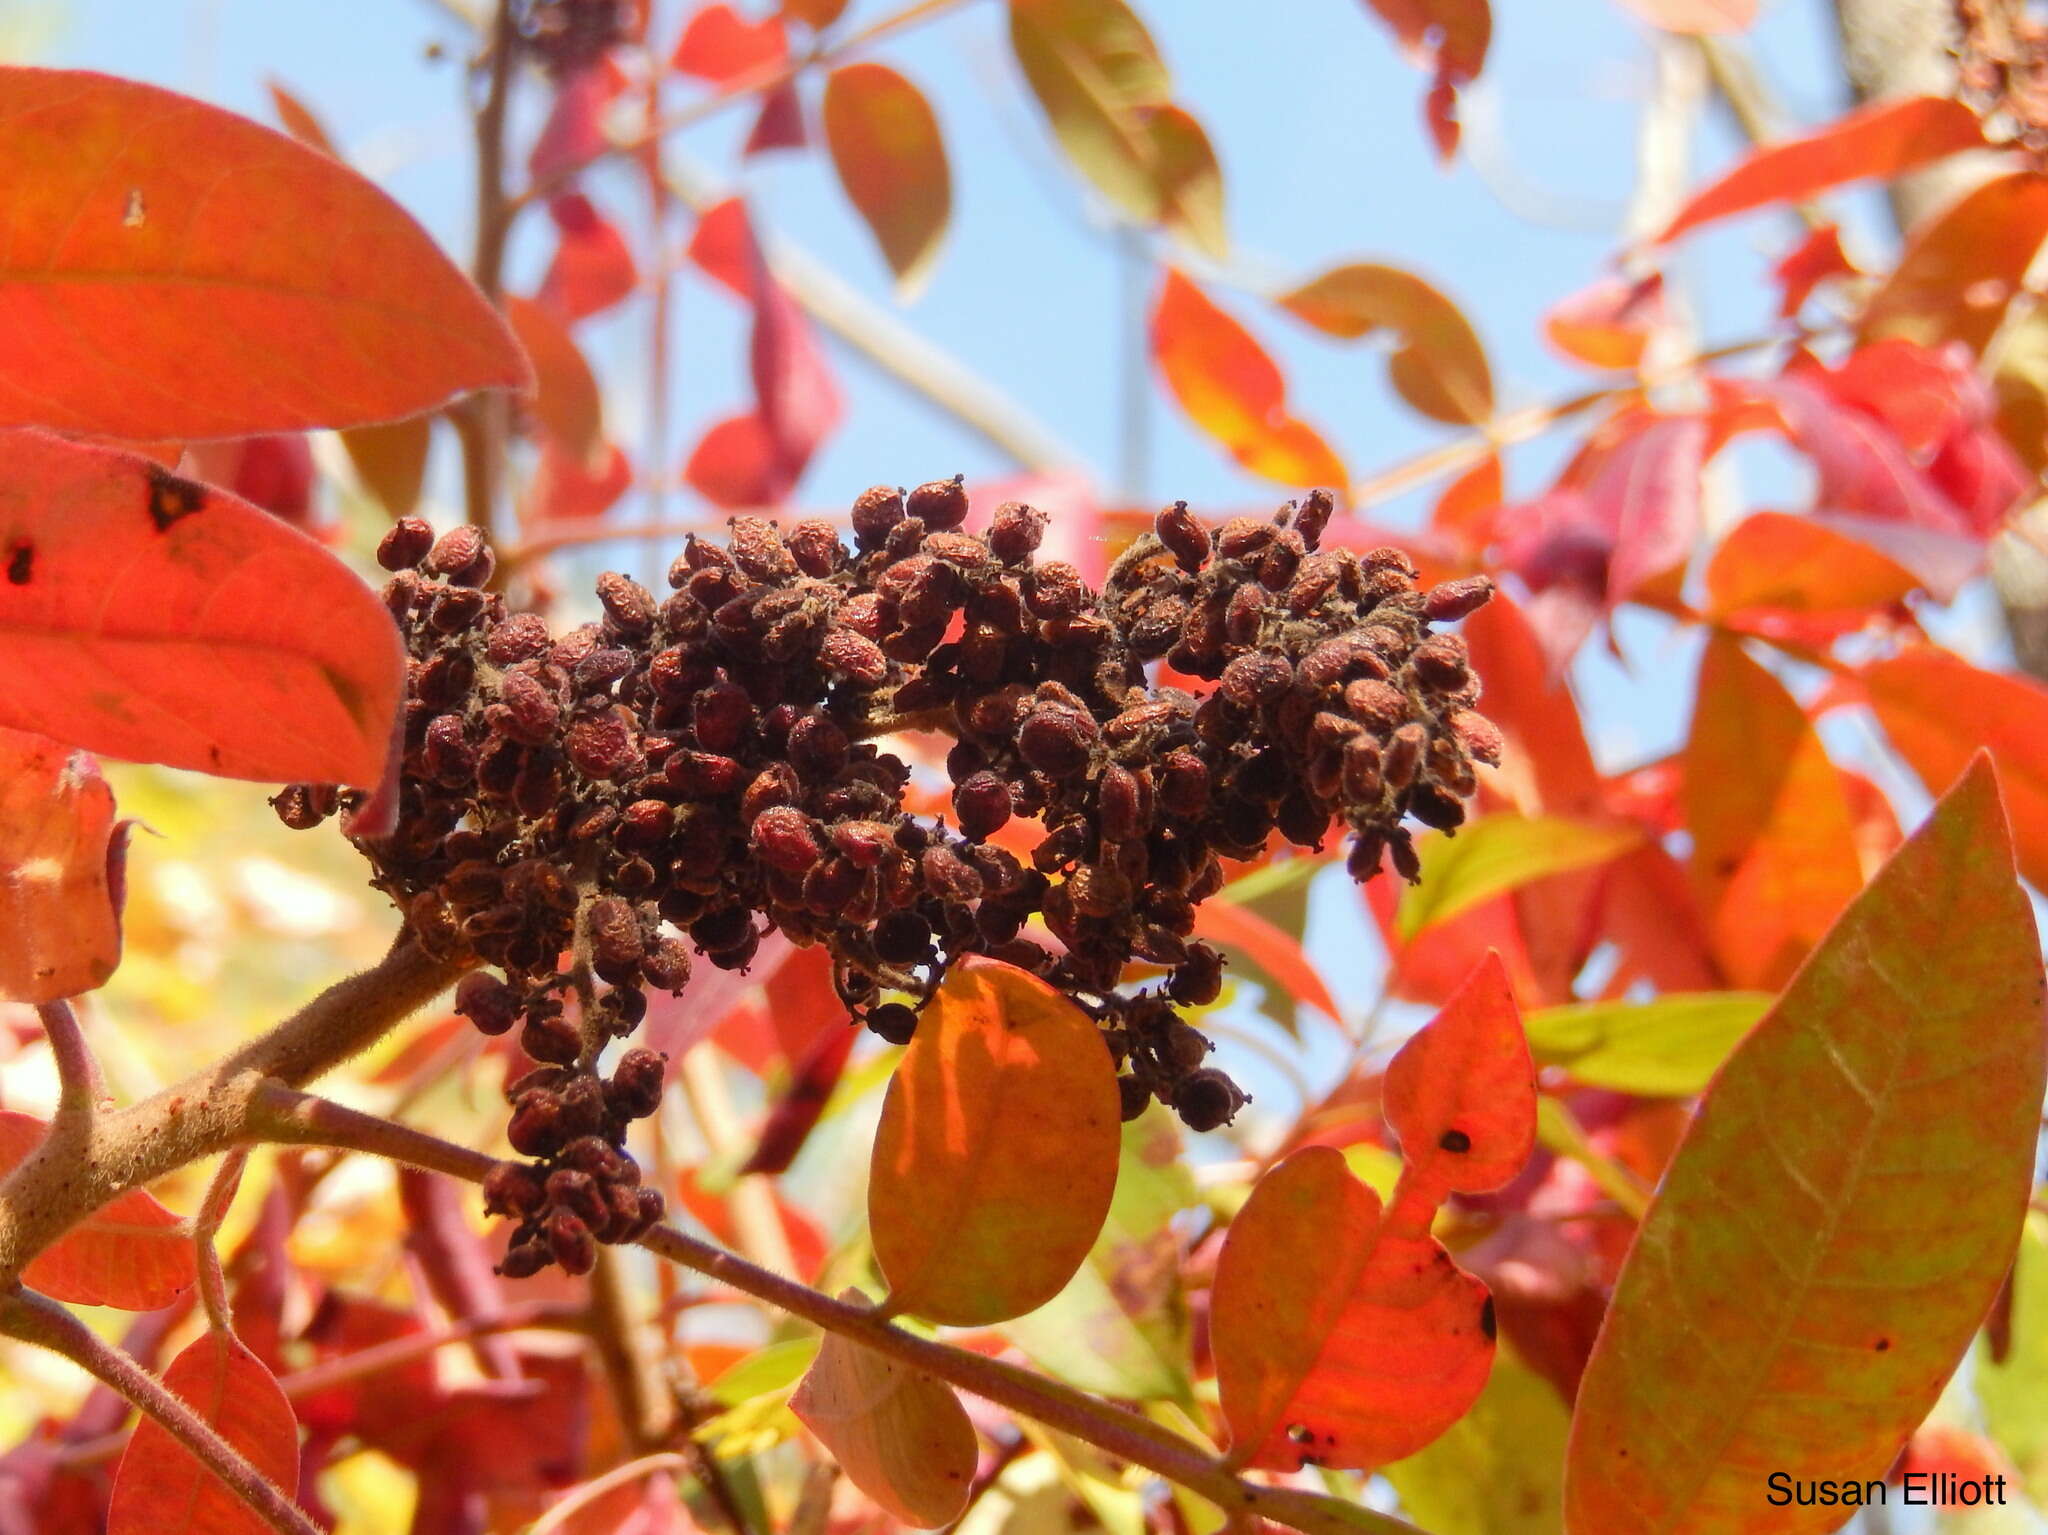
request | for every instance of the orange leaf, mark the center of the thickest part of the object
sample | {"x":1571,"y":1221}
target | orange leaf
{"x":391,"y":460}
{"x":997,"y":1151}
{"x":1232,"y":389}
{"x":1961,"y":269}
{"x":1699,"y":17}
{"x":157,"y":619}
{"x":299,"y":121}
{"x":886,"y":147}
{"x":1813,"y":261}
{"x":1439,"y":367}
{"x":1938,"y":709}
{"x":900,"y":1435}
{"x":1793,"y":579}
{"x":566,"y":400}
{"x":815,"y":14}
{"x":130,"y":1253}
{"x":1461,"y":1094}
{"x":1337,"y":1343}
{"x":720,"y":45}
{"x":59,"y":931}
{"x":1880,"y":140}
{"x":160,"y":1488}
{"x":567,"y":489}
{"x":1774,"y":845}
{"x":1272,"y":948}
{"x":1838,"y":1218}
{"x":1609,"y":324}
{"x":176,"y":271}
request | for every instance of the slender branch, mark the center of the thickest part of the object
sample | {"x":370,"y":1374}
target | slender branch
{"x":76,"y":1168}
{"x":561,"y":1513}
{"x":480,"y":420}
{"x":80,"y":1086}
{"x":220,"y":1194}
{"x":280,"y":1114}
{"x":646,"y":1407}
{"x":36,"y":1319}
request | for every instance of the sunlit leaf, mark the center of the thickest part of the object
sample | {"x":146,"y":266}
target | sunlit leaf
{"x":1609,"y":324}
{"x":177,"y":271}
{"x":1880,"y":140}
{"x":901,"y":1436}
{"x":1774,"y":850}
{"x":1499,"y":1470}
{"x":60,"y":933}
{"x":1438,"y":367}
{"x":1120,"y":1327}
{"x":1836,"y":1221}
{"x":1937,"y":709}
{"x":1497,"y":853}
{"x":1794,"y":579}
{"x":996,"y":1156}
{"x":299,"y":119}
{"x":131,"y":1253}
{"x":2014,"y":1390}
{"x":391,"y":460}
{"x":1961,"y":269}
{"x":1098,"y":77}
{"x":1231,"y":388}
{"x":1461,"y":1093}
{"x":160,"y":1488}
{"x":891,"y":160}
{"x":149,"y":617}
{"x":1670,"y":1046}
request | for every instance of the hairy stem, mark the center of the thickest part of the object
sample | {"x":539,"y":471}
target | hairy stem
{"x":280,"y":1114}
{"x":36,"y":1319}
{"x":80,"y":1086}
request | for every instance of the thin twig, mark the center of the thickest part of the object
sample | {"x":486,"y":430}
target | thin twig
{"x":480,"y":420}
{"x":631,"y":1368}
{"x":561,"y":1513}
{"x":81,"y":1088}
{"x":220,"y":1194}
{"x":279,"y":1113}
{"x":39,"y":1320}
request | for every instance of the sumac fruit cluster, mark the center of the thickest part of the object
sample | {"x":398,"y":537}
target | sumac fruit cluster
{"x":594,"y":812}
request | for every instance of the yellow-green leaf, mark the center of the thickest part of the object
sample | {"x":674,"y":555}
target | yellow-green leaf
{"x":1498,"y":853}
{"x":996,"y":1155}
{"x":1670,"y":1047}
{"x":2014,"y":1391}
{"x":1499,"y":1470}
{"x":1832,"y":1230}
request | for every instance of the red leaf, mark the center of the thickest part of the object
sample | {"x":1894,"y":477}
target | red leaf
{"x":160,"y":1488}
{"x":299,"y":121}
{"x":182,"y":272}
{"x":720,"y":45}
{"x":1548,"y":767}
{"x":780,"y":124}
{"x":1701,"y":17}
{"x":569,"y":489}
{"x":1648,"y":492}
{"x":1798,"y":581}
{"x":592,"y":267}
{"x":1461,"y":1094}
{"x":161,"y":621}
{"x":732,"y":465}
{"x":566,"y":400}
{"x":1609,"y":324}
{"x":1880,"y":140}
{"x":274,"y":471}
{"x":60,"y":930}
{"x":1814,"y":260}
{"x":1774,"y":849}
{"x":797,"y":1110}
{"x":130,"y":1253}
{"x":891,"y":160}
{"x":574,"y":135}
{"x":722,"y":247}
{"x":1449,"y":38}
{"x":1232,"y":389}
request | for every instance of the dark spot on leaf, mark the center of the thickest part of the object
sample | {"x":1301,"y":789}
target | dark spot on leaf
{"x":1455,"y":1140}
{"x":1882,"y":1344}
{"x":1487,"y":1324}
{"x":21,"y":563}
{"x":172,"y":497}
{"x":1300,"y":1433}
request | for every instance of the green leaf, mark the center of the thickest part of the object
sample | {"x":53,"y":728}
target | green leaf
{"x":1120,"y":1327}
{"x":1499,"y":1470}
{"x":1835,"y":1224}
{"x":1498,"y":853}
{"x":2014,"y":1392}
{"x":1667,"y":1048}
{"x":778,"y":1367}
